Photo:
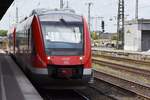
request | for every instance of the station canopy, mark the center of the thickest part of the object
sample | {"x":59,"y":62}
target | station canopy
{"x":4,"y":5}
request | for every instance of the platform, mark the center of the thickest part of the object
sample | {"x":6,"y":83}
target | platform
{"x":13,"y":83}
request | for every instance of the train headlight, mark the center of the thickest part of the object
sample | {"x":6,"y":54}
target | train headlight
{"x":81,"y":58}
{"x":49,"y":58}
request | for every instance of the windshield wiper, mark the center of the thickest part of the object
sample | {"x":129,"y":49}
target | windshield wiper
{"x":63,"y":21}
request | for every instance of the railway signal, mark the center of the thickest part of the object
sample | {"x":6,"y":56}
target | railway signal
{"x":103,"y":26}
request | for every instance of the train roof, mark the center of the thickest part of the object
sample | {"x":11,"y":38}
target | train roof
{"x":41,"y":11}
{"x":68,"y":15}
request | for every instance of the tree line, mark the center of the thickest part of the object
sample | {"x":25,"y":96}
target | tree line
{"x":3,"y":32}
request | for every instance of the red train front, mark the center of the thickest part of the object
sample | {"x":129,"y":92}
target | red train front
{"x":54,"y":46}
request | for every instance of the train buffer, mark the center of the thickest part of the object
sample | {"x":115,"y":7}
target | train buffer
{"x":13,"y":83}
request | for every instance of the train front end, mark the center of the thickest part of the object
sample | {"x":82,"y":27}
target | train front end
{"x":67,"y":47}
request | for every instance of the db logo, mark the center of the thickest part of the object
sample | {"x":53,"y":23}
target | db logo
{"x":66,"y":62}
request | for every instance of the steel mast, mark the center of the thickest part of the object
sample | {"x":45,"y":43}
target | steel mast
{"x":120,"y":25}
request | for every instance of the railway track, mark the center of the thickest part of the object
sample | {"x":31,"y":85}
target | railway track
{"x":140,"y":61}
{"x":113,"y":70}
{"x":62,"y":95}
{"x":142,"y":91}
{"x":80,"y":94}
{"x":113,"y":91}
{"x":95,"y":94}
{"x":129,"y":55}
{"x":83,"y":94}
{"x":123,"y":66}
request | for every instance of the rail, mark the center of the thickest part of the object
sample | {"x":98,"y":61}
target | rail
{"x":145,"y":71}
{"x":143,"y":56}
{"x":62,"y":95}
{"x":128,"y":73}
{"x":139,"y":89}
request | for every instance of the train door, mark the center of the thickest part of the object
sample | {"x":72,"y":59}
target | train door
{"x":29,"y":47}
{"x":145,"y":40}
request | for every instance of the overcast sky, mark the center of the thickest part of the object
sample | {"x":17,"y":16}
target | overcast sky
{"x":100,"y":8}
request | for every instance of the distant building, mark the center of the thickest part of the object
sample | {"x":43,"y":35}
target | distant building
{"x":137,"y":35}
{"x":107,"y":35}
{"x":102,"y":35}
{"x":105,"y":39}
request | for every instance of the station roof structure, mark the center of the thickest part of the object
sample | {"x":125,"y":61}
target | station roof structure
{"x":139,"y":21}
{"x":4,"y":5}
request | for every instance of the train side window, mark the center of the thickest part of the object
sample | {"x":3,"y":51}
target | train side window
{"x":33,"y":51}
{"x":28,"y":39}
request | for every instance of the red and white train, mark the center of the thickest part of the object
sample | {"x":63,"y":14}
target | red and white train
{"x":53,"y":46}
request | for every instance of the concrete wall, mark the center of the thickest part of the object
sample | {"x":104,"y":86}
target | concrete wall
{"x":137,"y":35}
{"x":132,"y":37}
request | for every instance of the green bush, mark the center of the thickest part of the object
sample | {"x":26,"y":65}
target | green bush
{"x":94,"y":36}
{"x":114,"y":37}
{"x":3,"y":32}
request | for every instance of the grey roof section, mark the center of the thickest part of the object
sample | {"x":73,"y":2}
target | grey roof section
{"x":41,"y":11}
{"x":140,"y":24}
{"x":55,"y":15}
{"x":139,"y":21}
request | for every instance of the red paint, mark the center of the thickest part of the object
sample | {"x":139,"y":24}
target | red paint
{"x":87,"y":46}
{"x":14,"y":40}
{"x":40,"y":59}
{"x":65,"y":60}
{"x":75,"y":60}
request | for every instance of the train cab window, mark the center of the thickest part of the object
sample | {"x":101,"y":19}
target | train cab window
{"x":63,"y":39}
{"x":60,"y":33}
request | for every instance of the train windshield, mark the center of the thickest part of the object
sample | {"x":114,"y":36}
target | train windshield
{"x":63,"y":38}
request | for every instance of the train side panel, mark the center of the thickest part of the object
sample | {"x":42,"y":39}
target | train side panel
{"x":87,"y":51}
{"x":39,"y":59}
{"x":30,"y":51}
